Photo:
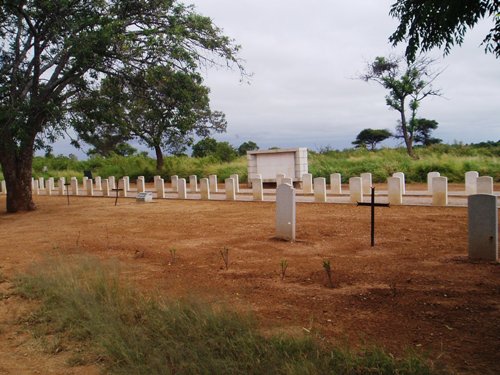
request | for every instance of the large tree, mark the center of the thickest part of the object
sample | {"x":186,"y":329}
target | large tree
{"x":371,"y":137}
{"x":422,"y":129}
{"x":52,"y":50}
{"x":408,"y":84}
{"x":426,"y":24}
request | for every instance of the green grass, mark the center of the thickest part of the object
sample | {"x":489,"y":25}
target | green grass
{"x":84,"y":305}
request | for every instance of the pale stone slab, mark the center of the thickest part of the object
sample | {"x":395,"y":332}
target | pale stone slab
{"x":84,"y":182}
{"x":174,"y":182}
{"x":121,"y":185}
{"x":50,"y":186}
{"x":483,"y":227}
{"x":205,"y":189}
{"x":126,"y":184}
{"x":320,"y":189}
{"x":141,"y":185}
{"x":471,"y":182}
{"x":236,"y":179}
{"x":61,"y":186}
{"x":401,"y":176}
{"x":90,"y":187}
{"x":112,"y":182}
{"x":279,"y":179}
{"x":193,"y":183}
{"x":41,"y":183}
{"x":285,"y":212}
{"x":230,"y":189}
{"x":32,"y":183}
{"x":36,"y":189}
{"x":181,"y":188}
{"x":160,"y":188}
{"x":484,"y":185}
{"x":268,"y":163}
{"x":287,"y":180}
{"x":213,"y":183}
{"x":4,"y":187}
{"x":74,"y":186}
{"x":144,"y":197}
{"x":336,"y":183}
{"x":307,"y":183}
{"x":394,"y":191}
{"x":98,"y":183}
{"x":258,"y":189}
{"x":155,"y":180}
{"x":355,"y":189}
{"x":440,"y":191}
{"x":366,"y":181}
{"x":430,"y":176}
{"x":105,"y":188}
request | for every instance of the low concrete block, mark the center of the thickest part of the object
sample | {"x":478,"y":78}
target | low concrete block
{"x":483,"y":227}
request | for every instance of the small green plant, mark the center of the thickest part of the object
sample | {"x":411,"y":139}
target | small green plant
{"x":225,"y":256}
{"x":328,"y":269}
{"x":173,"y":252}
{"x":284,"y":266}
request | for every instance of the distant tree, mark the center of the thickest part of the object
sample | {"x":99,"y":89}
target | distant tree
{"x":225,"y":152}
{"x":247,"y":146}
{"x":369,"y":138}
{"x":205,"y":147}
{"x":422,"y":129}
{"x":122,"y":149}
{"x":408,"y":85}
{"x":443,"y":23}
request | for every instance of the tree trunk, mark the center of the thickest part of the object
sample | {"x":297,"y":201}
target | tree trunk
{"x":404,"y":128}
{"x":17,"y":173}
{"x":159,"y":159}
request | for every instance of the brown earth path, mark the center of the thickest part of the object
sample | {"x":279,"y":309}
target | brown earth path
{"x":415,"y":290}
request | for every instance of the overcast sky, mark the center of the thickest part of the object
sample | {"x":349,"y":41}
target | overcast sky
{"x":304,"y":57}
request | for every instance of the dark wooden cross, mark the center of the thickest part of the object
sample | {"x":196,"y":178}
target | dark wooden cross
{"x":67,"y":184}
{"x":117,"y":192}
{"x":372,"y":204}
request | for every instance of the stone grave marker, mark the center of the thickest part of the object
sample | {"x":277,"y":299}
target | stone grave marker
{"x":287,"y":180}
{"x":105,"y":188}
{"x":440,"y":191}
{"x":336,"y":183}
{"x":355,"y":190}
{"x":285,"y":212}
{"x":484,"y":185}
{"x":471,"y":182}
{"x":144,"y":197}
{"x":98,"y":183}
{"x":112,"y":182}
{"x":213,"y":183}
{"x":279,"y":179}
{"x":394,"y":191}
{"x":401,"y":176}
{"x":62,"y":185}
{"x":430,"y":176}
{"x":230,"y":189}
{"x":236,"y":179}
{"x":122,"y":187}
{"x":320,"y":189}
{"x":160,"y":188}
{"x":36,"y":189}
{"x":204,"y":189}
{"x":483,"y":227}
{"x":193,"y":183}
{"x":307,"y":183}
{"x":174,"y":182}
{"x":366,"y":182}
{"x":41,"y":183}
{"x":74,"y":186}
{"x":90,"y":187}
{"x":258,"y":189}
{"x":181,"y":188}
{"x":50,"y":186}
{"x":140,"y":184}
{"x":4,"y":187}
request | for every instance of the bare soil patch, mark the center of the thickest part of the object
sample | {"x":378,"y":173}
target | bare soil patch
{"x":415,"y":290}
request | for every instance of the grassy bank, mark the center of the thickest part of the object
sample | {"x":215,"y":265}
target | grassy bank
{"x":84,"y":306}
{"x":451,"y":161}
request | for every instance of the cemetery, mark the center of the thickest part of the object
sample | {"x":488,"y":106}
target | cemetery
{"x":429,"y":276}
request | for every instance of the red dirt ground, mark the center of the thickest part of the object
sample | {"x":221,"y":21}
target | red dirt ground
{"x":415,"y":290}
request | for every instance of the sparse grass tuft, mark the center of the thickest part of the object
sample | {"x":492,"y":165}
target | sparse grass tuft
{"x":84,"y":305}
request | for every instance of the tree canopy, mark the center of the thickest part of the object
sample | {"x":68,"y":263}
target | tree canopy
{"x":54,"y":51}
{"x":443,"y":23}
{"x":369,"y":138}
{"x":408,"y":84}
{"x":247,"y":146}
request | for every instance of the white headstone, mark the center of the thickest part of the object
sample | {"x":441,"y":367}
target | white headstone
{"x":258,"y":189}
{"x":440,"y":191}
{"x":84,"y":182}
{"x":484,"y":185}
{"x":320,"y":189}
{"x":230,"y":189}
{"x":307,"y":183}
{"x":181,"y":188}
{"x":401,"y":176}
{"x":336,"y":183}
{"x":174,"y":182}
{"x":204,"y":189}
{"x":279,"y":179}
{"x":90,"y":187}
{"x":193,"y":183}
{"x":98,"y":183}
{"x":126,"y":184}
{"x":4,"y":187}
{"x":236,"y":179}
{"x":471,"y":182}
{"x":160,"y":188}
{"x":394,"y":191}
{"x":366,"y":181}
{"x":50,"y":186}
{"x":141,"y":186}
{"x":121,"y":185}
{"x":213,"y":183}
{"x":112,"y":182}
{"x":36,"y":189}
{"x":61,"y":186}
{"x":74,"y":186}
{"x":155,"y":180}
{"x":105,"y":187}
{"x":483,"y":227}
{"x":285,"y":212}
{"x":430,"y":176}
{"x":41,"y":183}
{"x":355,"y":190}
{"x":32,"y":183}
